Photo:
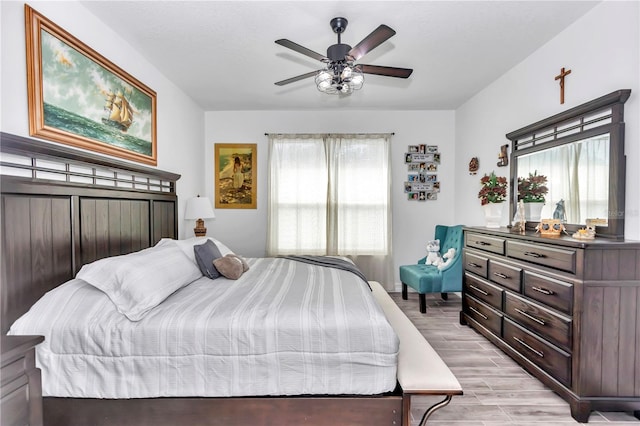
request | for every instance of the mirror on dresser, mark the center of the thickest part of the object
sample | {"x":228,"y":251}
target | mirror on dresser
{"x":581,"y":153}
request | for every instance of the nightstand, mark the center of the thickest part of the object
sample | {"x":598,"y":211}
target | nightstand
{"x":21,"y":393}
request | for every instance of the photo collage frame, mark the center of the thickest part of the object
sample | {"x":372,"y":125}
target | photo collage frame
{"x":422,"y":182}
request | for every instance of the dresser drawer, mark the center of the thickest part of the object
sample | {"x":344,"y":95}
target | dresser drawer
{"x":546,"y":356}
{"x":484,"y":314}
{"x":550,"y":325}
{"x":476,"y":264}
{"x":558,"y":258}
{"x":549,"y":291}
{"x":505,"y":275}
{"x":484,"y":242}
{"x":480,"y":289}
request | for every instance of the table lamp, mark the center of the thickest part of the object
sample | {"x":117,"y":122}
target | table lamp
{"x":199,"y":208}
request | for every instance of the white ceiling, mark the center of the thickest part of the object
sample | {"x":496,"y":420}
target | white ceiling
{"x":223,"y":55}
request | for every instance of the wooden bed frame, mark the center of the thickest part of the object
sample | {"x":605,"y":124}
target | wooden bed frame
{"x":68,"y":208}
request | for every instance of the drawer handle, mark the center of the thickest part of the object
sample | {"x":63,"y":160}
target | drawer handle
{"x":542,"y":290}
{"x":498,"y":274}
{"x":531,"y":317}
{"x":540,"y":354}
{"x":478,"y":312}
{"x":533,"y":254}
{"x":479,"y":290}
{"x":482,"y":243}
{"x":474,"y":265}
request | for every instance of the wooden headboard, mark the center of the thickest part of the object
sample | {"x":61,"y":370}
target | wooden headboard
{"x":63,"y":208}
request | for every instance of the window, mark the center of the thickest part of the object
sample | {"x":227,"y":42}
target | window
{"x":329,"y":195}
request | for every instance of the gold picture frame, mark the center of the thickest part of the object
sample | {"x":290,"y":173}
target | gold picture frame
{"x":77,"y":97}
{"x":235,"y":175}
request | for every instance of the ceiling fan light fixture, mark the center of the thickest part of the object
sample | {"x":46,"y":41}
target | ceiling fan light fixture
{"x":341,"y":75}
{"x":324,"y":79}
{"x":335,"y":82}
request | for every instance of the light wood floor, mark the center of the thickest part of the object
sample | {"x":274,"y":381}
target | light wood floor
{"x":496,"y":390}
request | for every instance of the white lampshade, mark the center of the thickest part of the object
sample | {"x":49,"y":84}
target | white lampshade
{"x":199,"y":208}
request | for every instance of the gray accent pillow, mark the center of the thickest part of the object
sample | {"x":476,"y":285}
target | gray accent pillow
{"x":205,"y":255}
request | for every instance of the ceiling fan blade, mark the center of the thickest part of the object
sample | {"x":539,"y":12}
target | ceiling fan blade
{"x":386,"y":71}
{"x":301,"y":49}
{"x":370,"y":42}
{"x":296,"y":78}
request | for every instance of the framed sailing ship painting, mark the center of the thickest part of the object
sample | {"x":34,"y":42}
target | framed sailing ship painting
{"x":235,"y":172}
{"x":78,"y":97}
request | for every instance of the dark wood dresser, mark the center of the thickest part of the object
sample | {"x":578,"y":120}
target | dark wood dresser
{"x":21,"y":394}
{"x":567,"y":310}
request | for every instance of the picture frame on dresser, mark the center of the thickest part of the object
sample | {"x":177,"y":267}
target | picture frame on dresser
{"x":115,"y":113}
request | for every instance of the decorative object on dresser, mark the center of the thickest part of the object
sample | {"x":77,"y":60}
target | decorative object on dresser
{"x":492,"y":194}
{"x":531,"y":191}
{"x":67,"y":82}
{"x":574,"y":143}
{"x":199,"y":208}
{"x":21,"y":392}
{"x":550,"y":227}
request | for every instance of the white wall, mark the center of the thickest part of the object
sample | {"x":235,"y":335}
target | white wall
{"x":180,"y":122}
{"x":603,"y":51}
{"x":413,"y":222}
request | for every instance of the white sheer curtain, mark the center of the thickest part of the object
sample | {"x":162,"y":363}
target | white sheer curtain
{"x":577,"y":172}
{"x":297,"y":206}
{"x":330,"y":194}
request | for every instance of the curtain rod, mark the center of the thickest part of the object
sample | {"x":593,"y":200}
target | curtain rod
{"x":373,"y":133}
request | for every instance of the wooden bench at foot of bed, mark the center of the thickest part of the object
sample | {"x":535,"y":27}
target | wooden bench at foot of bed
{"x":421,"y":371}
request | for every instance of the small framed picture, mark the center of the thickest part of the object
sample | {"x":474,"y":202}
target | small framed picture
{"x":432,"y":167}
{"x":436,"y":157}
{"x":414,"y":167}
{"x":408,"y":187}
{"x":422,"y":149}
{"x":414,"y":149}
{"x":424,"y":187}
{"x":432,"y":148}
{"x":412,"y":196}
{"x":413,"y":178}
{"x":436,"y":186}
{"x":408,"y":158}
{"x":422,"y":196}
{"x":432,"y":178}
{"x":432,"y":195}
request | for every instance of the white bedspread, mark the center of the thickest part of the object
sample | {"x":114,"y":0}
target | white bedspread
{"x":283,"y":328}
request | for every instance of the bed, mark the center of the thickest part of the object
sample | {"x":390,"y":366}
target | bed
{"x":62,"y":209}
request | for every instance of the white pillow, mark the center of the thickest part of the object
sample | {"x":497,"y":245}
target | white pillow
{"x":187,"y":246}
{"x":140,"y":281}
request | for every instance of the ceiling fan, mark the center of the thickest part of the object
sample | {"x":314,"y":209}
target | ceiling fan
{"x":341,"y":75}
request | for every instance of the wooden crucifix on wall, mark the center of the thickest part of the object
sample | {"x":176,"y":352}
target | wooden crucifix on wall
{"x":561,"y":77}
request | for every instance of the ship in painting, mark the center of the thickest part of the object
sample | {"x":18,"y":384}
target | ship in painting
{"x":120,"y":111}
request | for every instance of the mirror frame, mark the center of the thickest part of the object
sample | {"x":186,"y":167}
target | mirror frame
{"x":599,"y":116}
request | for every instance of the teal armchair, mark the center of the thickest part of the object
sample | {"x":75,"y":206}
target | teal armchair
{"x":428,"y":278}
